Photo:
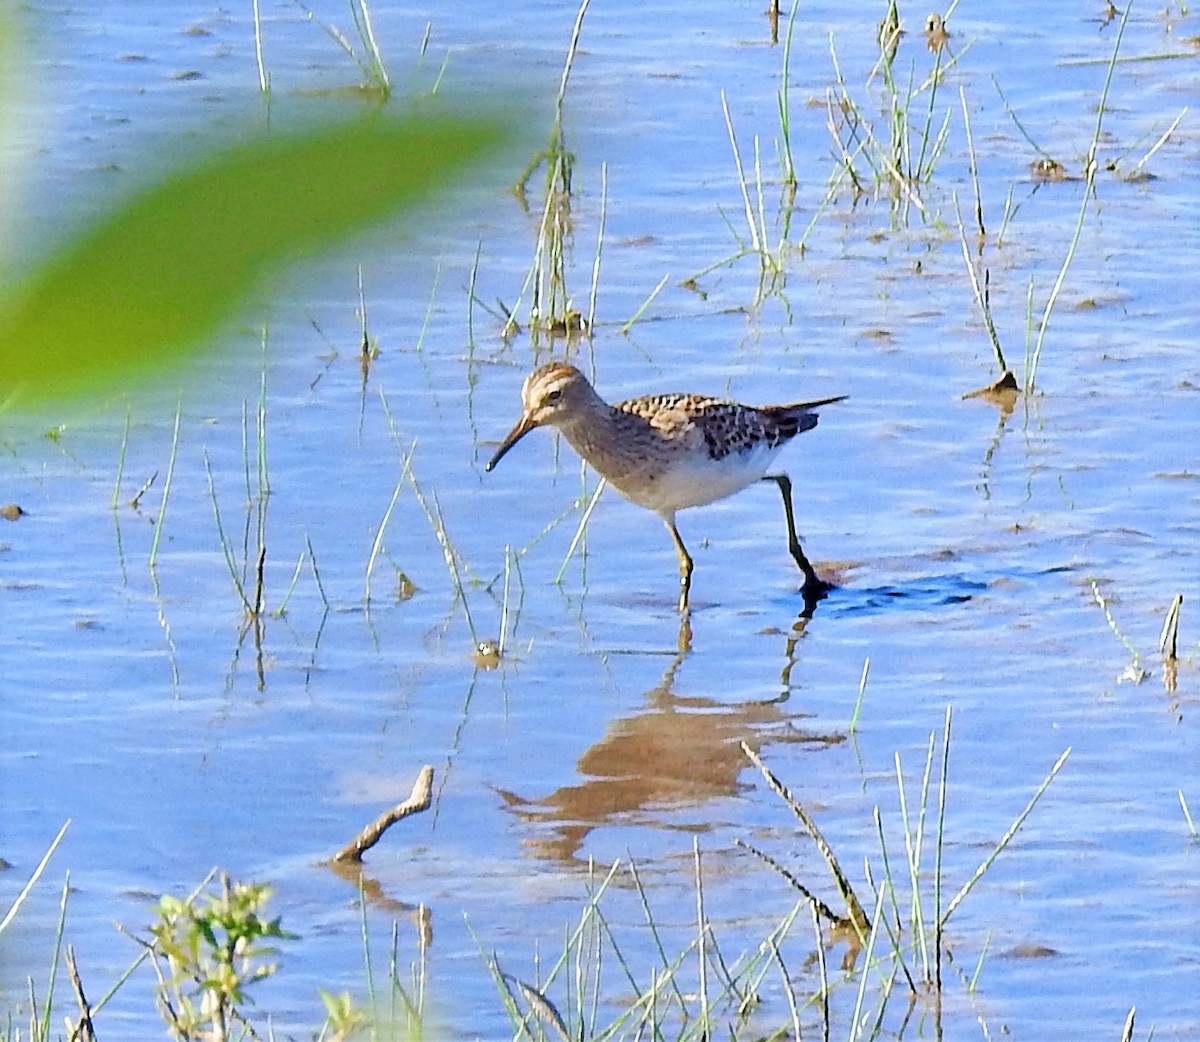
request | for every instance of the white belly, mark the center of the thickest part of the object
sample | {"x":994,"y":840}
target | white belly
{"x":694,"y":480}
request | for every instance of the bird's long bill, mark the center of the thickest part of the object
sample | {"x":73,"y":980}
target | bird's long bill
{"x":523,"y":427}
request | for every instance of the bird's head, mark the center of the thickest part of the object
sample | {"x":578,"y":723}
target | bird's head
{"x":552,"y":394}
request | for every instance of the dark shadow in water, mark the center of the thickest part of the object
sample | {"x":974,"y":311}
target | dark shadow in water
{"x":935,"y":591}
{"x":677,"y":751}
{"x":922,"y":593}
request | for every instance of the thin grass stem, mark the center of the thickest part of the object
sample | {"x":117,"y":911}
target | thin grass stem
{"x":645,"y":304}
{"x":1135,"y":667}
{"x":263,"y":496}
{"x":1017,"y":122}
{"x":943,"y":788}
{"x":312,"y":560}
{"x":701,"y":939}
{"x":116,"y":496}
{"x":569,"y":64}
{"x":55,"y":955}
{"x":822,"y":972}
{"x":784,"y":94}
{"x":1088,"y":189}
{"x":788,"y":991}
{"x":755,"y":242}
{"x":841,"y":111}
{"x":226,"y":548}
{"x":580,"y":530}
{"x":471,"y":299}
{"x":166,"y":493}
{"x":1006,"y":218}
{"x":248,"y":518}
{"x":438,"y":523}
{"x":860,"y":997}
{"x":862,"y":691}
{"x":725,"y":262}
{"x":1183,"y":804}
{"x":973,"y":980}
{"x":920,"y":170}
{"x":855,"y":913}
{"x":888,"y":887}
{"x":504,"y":600}
{"x":263,"y":82}
{"x":830,"y":193}
{"x":591,"y":315}
{"x":1029,"y":313}
{"x":546,"y":530}
{"x":982,"y":292}
{"x":1162,"y":140}
{"x":377,"y":543}
{"x":372,"y":998}
{"x":437,"y":278}
{"x":362,"y":22}
{"x":37,"y":874}
{"x":984,"y":865}
{"x":973,"y":164}
{"x":766,"y":259}
{"x":913,"y":845}
{"x":291,"y":587}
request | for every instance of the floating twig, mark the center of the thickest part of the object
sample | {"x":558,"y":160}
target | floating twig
{"x":417,"y":801}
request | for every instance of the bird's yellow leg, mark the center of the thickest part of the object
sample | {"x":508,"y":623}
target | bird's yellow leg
{"x":685,"y":563}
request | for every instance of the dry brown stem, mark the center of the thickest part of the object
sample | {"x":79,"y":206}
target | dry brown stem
{"x":83,"y":1031}
{"x":819,"y":907}
{"x":858,"y":917}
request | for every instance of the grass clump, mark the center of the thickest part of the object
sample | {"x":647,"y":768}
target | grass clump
{"x":551,"y":308}
{"x":899,"y":158}
{"x":695,"y":993}
{"x":903,"y":939}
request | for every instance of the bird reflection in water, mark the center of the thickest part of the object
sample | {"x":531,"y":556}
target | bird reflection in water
{"x":677,"y":751}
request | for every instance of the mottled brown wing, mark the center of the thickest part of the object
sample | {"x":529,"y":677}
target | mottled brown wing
{"x":673,"y":415}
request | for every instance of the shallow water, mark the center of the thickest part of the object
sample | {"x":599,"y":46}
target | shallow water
{"x":966,"y":541}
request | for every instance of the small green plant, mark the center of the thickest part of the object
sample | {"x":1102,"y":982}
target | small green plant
{"x":343,"y":1018}
{"x":208,"y":950}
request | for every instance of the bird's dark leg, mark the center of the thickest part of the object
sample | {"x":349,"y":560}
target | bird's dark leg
{"x":685,"y":562}
{"x":814,"y":585}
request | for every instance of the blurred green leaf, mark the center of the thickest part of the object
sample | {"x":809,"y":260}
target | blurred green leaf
{"x":154,"y":278}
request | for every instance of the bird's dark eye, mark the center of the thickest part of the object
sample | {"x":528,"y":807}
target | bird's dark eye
{"x":553,"y":396}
